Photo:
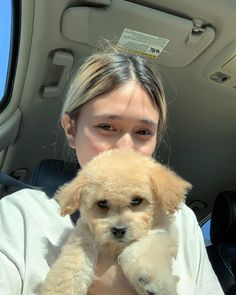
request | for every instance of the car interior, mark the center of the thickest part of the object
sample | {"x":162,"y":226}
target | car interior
{"x":194,"y":45}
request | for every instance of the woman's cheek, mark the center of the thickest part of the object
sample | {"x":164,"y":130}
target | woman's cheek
{"x":101,"y":147}
{"x":148,"y":150}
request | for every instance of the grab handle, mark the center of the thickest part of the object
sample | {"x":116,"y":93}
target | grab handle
{"x":64,"y":59}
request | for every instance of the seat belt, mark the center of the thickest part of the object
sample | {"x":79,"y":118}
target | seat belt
{"x":8,"y":180}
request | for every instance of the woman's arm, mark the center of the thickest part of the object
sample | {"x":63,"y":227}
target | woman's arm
{"x":10,"y":280}
{"x":192,"y":264}
{"x":12,"y":236}
{"x":207,"y":282}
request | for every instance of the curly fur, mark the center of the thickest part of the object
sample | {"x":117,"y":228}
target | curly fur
{"x":120,"y":178}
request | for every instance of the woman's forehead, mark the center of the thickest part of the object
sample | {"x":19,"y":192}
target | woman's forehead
{"x":130,"y":100}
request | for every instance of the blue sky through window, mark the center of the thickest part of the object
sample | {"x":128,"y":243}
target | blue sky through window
{"x":5,"y":40}
{"x":206,"y":232}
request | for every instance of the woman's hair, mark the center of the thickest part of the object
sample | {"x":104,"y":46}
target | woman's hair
{"x":108,"y":70}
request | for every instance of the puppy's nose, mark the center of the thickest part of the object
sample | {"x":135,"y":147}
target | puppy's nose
{"x":118,"y":232}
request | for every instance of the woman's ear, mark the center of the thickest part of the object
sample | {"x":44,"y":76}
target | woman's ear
{"x":69,"y":128}
{"x":69,"y":195}
{"x":169,"y":188}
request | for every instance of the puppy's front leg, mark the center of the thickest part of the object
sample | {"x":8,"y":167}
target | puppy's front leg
{"x":73,"y":272}
{"x":147,"y":263}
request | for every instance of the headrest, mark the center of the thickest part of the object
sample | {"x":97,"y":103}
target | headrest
{"x":50,"y":174}
{"x":223,"y":220}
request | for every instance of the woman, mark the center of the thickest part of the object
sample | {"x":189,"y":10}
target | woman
{"x":116,"y":100}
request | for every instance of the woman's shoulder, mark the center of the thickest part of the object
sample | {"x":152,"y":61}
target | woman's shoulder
{"x":26,"y":193}
{"x":27,"y":198}
{"x":185,"y":217}
{"x":33,"y":205}
{"x":185,"y":211}
{"x":30,"y":220}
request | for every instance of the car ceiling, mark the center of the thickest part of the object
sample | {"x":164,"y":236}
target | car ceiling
{"x":200,"y":143}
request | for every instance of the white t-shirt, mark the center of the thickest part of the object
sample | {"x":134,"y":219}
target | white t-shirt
{"x":32,"y":232}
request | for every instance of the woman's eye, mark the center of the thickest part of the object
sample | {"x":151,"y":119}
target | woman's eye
{"x":144,"y":132}
{"x":106,"y":127}
{"x":103,"y":204}
{"x":136,"y":201}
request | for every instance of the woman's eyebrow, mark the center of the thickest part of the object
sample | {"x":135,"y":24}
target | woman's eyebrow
{"x":109,"y":116}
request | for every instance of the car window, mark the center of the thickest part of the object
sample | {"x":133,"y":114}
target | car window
{"x":6,"y":33}
{"x":206,"y":232}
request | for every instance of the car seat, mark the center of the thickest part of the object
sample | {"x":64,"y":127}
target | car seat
{"x":50,"y":174}
{"x":222,"y":252}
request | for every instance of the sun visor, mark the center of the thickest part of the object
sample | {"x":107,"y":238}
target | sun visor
{"x":174,"y":41}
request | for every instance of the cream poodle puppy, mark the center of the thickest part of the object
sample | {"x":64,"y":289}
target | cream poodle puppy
{"x":126,"y":202}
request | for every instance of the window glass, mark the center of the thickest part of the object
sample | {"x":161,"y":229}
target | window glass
{"x":206,"y":232}
{"x":5,"y":44}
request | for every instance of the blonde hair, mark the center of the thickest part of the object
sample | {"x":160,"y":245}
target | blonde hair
{"x":108,"y":70}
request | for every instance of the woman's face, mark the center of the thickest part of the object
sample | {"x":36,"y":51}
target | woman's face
{"x":124,"y":118}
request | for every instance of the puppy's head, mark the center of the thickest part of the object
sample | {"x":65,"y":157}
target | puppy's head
{"x":119,"y":193}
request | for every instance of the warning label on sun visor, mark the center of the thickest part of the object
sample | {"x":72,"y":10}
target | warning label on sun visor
{"x":142,"y":43}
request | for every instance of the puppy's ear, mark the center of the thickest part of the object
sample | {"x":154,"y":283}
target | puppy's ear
{"x":68,"y":196}
{"x":169,"y":188}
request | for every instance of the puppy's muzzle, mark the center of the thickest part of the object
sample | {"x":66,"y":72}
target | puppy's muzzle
{"x":118,"y":232}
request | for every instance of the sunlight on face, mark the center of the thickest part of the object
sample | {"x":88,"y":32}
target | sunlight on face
{"x":124,"y":118}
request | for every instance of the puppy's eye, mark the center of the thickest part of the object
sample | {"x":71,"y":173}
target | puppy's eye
{"x":103,"y":204}
{"x":136,"y":201}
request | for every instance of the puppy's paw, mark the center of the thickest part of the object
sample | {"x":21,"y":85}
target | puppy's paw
{"x":147,"y":286}
{"x":147,"y":263}
{"x":149,"y":280}
{"x":145,"y":283}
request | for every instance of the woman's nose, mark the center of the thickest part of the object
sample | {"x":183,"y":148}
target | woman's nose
{"x":125,"y":141}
